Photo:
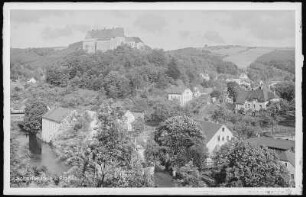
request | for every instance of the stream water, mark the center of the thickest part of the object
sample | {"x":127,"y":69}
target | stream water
{"x":39,"y":153}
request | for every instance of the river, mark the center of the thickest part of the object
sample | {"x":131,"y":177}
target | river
{"x":39,"y":153}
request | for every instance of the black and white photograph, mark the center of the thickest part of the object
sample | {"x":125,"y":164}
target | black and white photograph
{"x":152,"y":98}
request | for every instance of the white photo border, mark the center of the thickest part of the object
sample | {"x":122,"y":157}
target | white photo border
{"x":220,"y":6}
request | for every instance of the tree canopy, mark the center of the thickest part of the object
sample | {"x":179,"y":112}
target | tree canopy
{"x":240,"y":164}
{"x":33,"y":116}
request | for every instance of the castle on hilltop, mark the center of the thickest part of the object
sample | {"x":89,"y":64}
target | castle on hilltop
{"x":109,"y":39}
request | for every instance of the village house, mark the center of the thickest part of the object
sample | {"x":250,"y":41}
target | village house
{"x":216,"y":135}
{"x":108,"y":39}
{"x":55,"y":121}
{"x":254,"y":100}
{"x":181,"y":94}
{"x":283,"y":148}
{"x":132,"y":115}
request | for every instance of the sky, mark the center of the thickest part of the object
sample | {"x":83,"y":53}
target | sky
{"x":168,"y":29}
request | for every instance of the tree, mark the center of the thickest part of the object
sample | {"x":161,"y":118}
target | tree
{"x":116,"y":85}
{"x":285,"y":90}
{"x":189,"y":176}
{"x":180,"y":140}
{"x":163,"y":110}
{"x":33,"y":116}
{"x":221,"y":114}
{"x":57,"y":76}
{"x":108,"y":160}
{"x":240,"y":164}
{"x":275,"y":111}
{"x":173,"y":70}
{"x":233,"y":88}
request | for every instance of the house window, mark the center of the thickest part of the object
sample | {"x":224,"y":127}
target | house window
{"x":219,"y":138}
{"x":292,"y":176}
{"x":286,"y":164}
{"x":254,"y":106}
{"x":223,"y":129}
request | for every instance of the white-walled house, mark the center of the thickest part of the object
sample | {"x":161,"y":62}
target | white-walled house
{"x":55,"y":121}
{"x":181,"y":94}
{"x":216,"y":135}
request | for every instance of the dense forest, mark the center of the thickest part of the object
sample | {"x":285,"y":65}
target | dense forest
{"x":120,"y":72}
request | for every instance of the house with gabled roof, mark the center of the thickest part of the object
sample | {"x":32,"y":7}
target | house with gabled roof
{"x":180,"y":93}
{"x":254,"y":100}
{"x":216,"y":135}
{"x":55,"y":121}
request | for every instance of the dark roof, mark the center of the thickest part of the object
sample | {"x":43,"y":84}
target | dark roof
{"x":209,"y":128}
{"x":259,"y":94}
{"x":133,"y":39}
{"x":176,"y":89}
{"x":272,"y":143}
{"x":57,"y":114}
{"x":105,"y":34}
{"x":287,"y":156}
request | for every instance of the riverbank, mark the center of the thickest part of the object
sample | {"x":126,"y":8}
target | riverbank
{"x":32,"y":163}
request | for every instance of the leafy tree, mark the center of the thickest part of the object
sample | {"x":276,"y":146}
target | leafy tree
{"x":57,"y":76}
{"x":163,"y":110}
{"x":116,"y":85}
{"x":275,"y":111}
{"x":233,"y":88}
{"x":173,"y":70}
{"x":33,"y":116}
{"x":221,"y":114}
{"x":285,"y":90}
{"x":240,"y":164}
{"x":157,"y":57}
{"x":189,"y":176}
{"x":178,"y":137}
{"x":108,"y":160}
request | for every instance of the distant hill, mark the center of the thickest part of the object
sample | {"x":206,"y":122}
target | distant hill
{"x":280,"y":59}
{"x":203,"y":61}
{"x":242,"y":56}
{"x":31,"y":62}
{"x":275,"y":65}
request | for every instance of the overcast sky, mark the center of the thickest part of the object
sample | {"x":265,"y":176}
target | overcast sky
{"x":158,"y":29}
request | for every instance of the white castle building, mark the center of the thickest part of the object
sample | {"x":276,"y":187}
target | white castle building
{"x":109,"y":39}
